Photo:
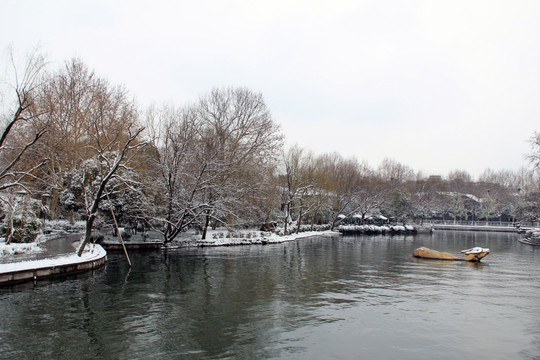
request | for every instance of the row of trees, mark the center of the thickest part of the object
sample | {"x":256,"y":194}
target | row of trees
{"x":75,"y":146}
{"x":328,"y":188}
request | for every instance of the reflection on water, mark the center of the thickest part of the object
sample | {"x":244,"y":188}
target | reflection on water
{"x":342,"y":297}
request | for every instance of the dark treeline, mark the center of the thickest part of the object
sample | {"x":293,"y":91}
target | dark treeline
{"x":73,"y":146}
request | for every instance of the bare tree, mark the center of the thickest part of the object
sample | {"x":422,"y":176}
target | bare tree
{"x":211,"y":158}
{"x":344,"y":184}
{"x":371,"y":196}
{"x":534,"y":156}
{"x":111,"y":156}
{"x":394,"y":172}
{"x":298,"y":184}
{"x":427,"y":197}
{"x":240,"y":140}
{"x":67,"y":102}
{"x":18,"y":135}
{"x":174,"y":135}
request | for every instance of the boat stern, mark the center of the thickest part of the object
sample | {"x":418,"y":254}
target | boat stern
{"x":475,"y":253}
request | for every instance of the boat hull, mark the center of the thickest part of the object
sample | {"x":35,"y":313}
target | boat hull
{"x":426,"y":253}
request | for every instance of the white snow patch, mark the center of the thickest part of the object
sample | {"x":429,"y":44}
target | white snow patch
{"x":224,"y":238}
{"x":90,"y":253}
{"x":19,"y":248}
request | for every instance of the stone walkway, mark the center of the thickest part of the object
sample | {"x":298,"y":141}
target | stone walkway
{"x":58,"y":246}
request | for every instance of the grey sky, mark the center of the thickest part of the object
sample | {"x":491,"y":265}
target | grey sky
{"x":436,"y":85}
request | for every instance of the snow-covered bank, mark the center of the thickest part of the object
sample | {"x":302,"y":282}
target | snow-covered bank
{"x":92,"y":257}
{"x":17,"y":249}
{"x":220,"y":238}
{"x":383,"y":229}
{"x":52,"y":229}
{"x":90,"y":253}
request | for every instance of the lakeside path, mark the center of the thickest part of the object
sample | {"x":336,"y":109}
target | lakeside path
{"x":21,"y":271}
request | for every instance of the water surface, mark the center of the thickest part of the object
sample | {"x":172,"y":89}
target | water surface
{"x":320,"y":298}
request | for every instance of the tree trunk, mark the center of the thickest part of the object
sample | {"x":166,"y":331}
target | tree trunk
{"x":55,"y":195}
{"x":206,"y":222}
{"x":87,"y":233}
{"x":299,"y":220}
{"x":334,"y":221}
{"x":300,"y":216}
{"x":286,"y":222}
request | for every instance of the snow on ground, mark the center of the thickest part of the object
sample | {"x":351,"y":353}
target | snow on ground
{"x":16,"y":249}
{"x":53,"y":229}
{"x":251,"y":237}
{"x":90,"y":253}
{"x":21,"y":248}
{"x":64,"y":226}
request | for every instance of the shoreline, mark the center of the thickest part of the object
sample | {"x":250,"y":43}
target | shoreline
{"x":22,"y":271}
{"x":95,"y":257}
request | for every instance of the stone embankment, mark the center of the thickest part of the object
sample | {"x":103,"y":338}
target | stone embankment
{"x":21,"y":271}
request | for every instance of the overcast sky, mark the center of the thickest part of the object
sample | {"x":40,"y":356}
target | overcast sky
{"x":435,"y":85}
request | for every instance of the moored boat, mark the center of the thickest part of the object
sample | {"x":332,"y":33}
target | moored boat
{"x":531,"y":237}
{"x":474,"y":254}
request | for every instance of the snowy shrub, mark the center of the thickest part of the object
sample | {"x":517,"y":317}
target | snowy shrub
{"x":16,"y":249}
{"x":323,"y":227}
{"x":24,"y":227}
{"x":68,"y":199}
{"x":56,"y":226}
{"x":125,"y":234}
{"x":97,"y":237}
{"x":20,"y":223}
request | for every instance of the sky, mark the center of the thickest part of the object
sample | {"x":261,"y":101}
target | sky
{"x":435,"y":85}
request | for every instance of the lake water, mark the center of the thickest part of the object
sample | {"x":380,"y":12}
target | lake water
{"x":360,"y":297}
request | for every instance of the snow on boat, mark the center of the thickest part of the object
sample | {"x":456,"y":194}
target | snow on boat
{"x":474,"y":254}
{"x":531,"y":237}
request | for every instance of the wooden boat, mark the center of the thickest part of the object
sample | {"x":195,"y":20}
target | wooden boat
{"x":474,"y":254}
{"x":531,"y":237}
